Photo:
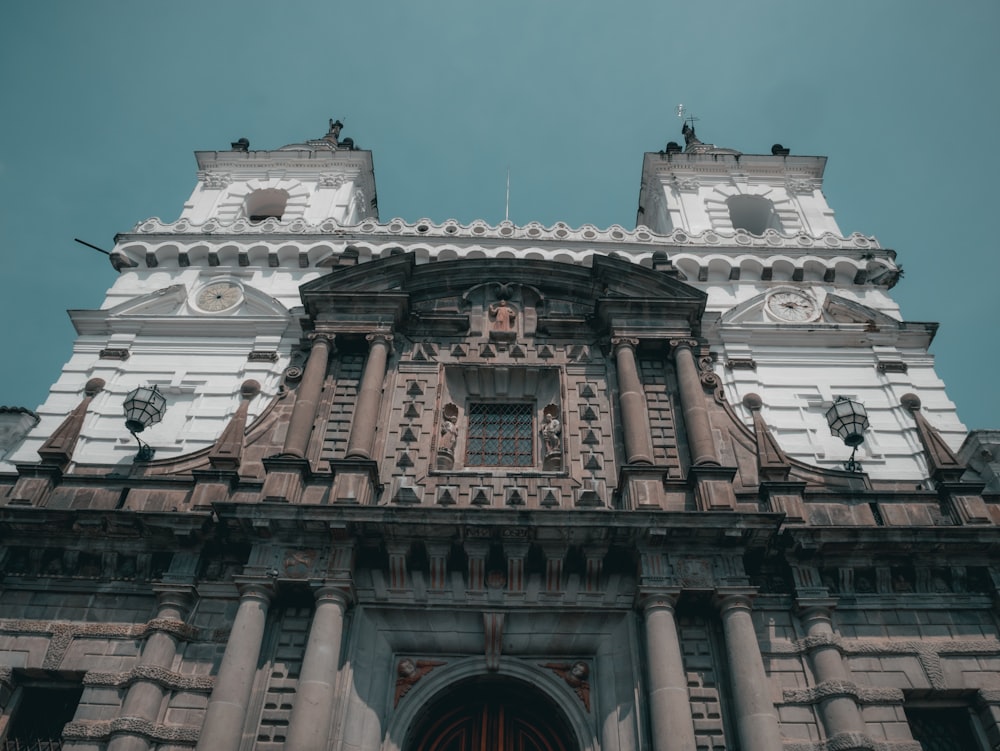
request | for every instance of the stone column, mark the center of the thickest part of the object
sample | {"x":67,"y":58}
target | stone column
{"x":699,"y":429}
{"x":145,"y":695}
{"x":309,"y":726}
{"x":227,"y":709}
{"x":839,"y":711}
{"x":307,"y":397}
{"x":669,"y":703}
{"x":359,"y":445}
{"x":756,"y":720}
{"x":635,"y":415}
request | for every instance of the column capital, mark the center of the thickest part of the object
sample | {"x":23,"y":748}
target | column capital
{"x":339,"y":594}
{"x":629,"y":342}
{"x":384,"y":337}
{"x":678,"y":344}
{"x":729,"y":601}
{"x":649,"y":601}
{"x":815,"y":608}
{"x":253,"y":589}
{"x":179,"y":596}
{"x":323,"y":336}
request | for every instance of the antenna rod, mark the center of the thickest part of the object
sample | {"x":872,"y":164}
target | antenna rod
{"x":506,"y":210}
{"x":99,"y":250}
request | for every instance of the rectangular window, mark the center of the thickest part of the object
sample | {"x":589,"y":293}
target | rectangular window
{"x":943,"y":728}
{"x":500,"y":435}
{"x":39,"y":717}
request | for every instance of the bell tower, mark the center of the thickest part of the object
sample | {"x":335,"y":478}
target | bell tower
{"x":320,"y":179}
{"x":705,"y":188}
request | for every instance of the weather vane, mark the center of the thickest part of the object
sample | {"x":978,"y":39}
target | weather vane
{"x":691,"y":119}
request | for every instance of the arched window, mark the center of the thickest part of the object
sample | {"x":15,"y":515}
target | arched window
{"x":266,"y":204}
{"x":491,"y":714}
{"x":755,"y":214}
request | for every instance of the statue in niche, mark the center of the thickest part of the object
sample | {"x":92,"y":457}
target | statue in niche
{"x":551,"y":433}
{"x":449,"y":434}
{"x":408,"y":672}
{"x":447,"y":437}
{"x":575,"y":676}
{"x":504,"y":318}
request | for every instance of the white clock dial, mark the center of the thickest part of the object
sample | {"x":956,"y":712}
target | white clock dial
{"x":220,"y":296}
{"x":794,"y":307}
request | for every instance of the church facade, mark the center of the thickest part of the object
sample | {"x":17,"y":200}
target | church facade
{"x":436,"y":487}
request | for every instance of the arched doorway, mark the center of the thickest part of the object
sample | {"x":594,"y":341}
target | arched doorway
{"x":491,"y":715}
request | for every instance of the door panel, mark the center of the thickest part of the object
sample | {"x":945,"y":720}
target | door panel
{"x":491,"y":717}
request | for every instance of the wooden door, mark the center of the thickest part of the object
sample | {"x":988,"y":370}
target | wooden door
{"x":492,"y":717}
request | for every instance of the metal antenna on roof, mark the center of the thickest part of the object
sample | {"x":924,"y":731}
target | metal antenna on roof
{"x":506,"y":209}
{"x":691,"y":119}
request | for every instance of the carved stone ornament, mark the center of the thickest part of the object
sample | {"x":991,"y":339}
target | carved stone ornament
{"x":796,"y":185}
{"x":408,"y":672}
{"x":215,"y":180}
{"x":298,"y":564}
{"x":575,"y":675}
{"x":331,"y":181}
{"x":686,"y":182}
{"x":114,"y":353}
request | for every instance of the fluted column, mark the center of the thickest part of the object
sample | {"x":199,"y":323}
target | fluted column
{"x":307,"y":397}
{"x":635,"y":415}
{"x":669,"y":702}
{"x":223,"y":726}
{"x":144,"y":697}
{"x":839,"y":712}
{"x":359,"y":445}
{"x":699,"y":429}
{"x":309,"y":726}
{"x":756,"y":720}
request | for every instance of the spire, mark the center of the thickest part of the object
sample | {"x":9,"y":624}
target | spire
{"x":227,"y":451}
{"x":943,"y":463}
{"x":59,"y":447}
{"x":772,"y":463}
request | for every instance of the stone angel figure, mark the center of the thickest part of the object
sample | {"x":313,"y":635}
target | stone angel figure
{"x":575,"y":676}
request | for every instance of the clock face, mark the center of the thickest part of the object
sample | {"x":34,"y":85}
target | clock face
{"x":220,"y":296}
{"x":794,"y":307}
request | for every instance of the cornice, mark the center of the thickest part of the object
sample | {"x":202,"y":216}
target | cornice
{"x":455,"y":232}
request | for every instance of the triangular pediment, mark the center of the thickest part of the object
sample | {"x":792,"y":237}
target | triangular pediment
{"x":834,"y":310}
{"x":172,"y":308}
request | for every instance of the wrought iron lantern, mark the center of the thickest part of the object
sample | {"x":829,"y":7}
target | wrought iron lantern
{"x":848,"y":420}
{"x":144,"y":406}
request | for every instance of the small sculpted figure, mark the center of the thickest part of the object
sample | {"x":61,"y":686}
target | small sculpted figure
{"x":503,"y":316}
{"x":408,"y":672}
{"x":449,"y":435}
{"x":551,"y":431}
{"x":575,"y":676}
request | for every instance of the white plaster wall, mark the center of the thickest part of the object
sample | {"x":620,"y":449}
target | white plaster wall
{"x":798,"y":385}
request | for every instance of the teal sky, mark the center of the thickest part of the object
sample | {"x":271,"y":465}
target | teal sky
{"x":104,"y":103}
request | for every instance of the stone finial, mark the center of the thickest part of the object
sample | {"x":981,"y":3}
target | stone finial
{"x":944,"y":464}
{"x":772,"y":462}
{"x":59,"y":447}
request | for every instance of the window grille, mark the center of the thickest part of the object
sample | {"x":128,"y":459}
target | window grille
{"x":40,"y":717}
{"x":500,"y":435}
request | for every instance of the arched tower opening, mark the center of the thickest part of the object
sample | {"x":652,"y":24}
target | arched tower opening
{"x":755,"y":214}
{"x":269,"y":203}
